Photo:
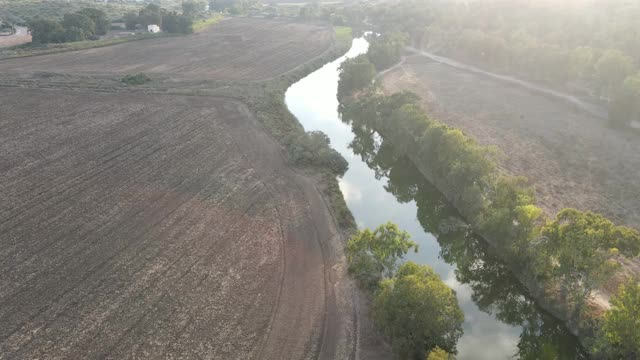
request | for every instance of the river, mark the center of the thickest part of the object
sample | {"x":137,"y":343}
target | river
{"x":501,"y":321}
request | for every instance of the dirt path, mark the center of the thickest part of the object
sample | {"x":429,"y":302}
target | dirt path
{"x":589,"y":108}
{"x":21,"y":36}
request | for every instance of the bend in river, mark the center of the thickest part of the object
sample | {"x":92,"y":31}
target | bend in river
{"x":501,"y":320}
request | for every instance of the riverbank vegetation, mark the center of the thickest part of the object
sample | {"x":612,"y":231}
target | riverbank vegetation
{"x":590,"y":48}
{"x":412,"y":306}
{"x":569,"y":256}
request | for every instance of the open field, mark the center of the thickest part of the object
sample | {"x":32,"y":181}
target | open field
{"x":155,"y":227}
{"x":234,"y":49}
{"x":572,"y":158}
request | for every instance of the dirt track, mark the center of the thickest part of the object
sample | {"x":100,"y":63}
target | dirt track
{"x":572,"y":158}
{"x":235,"y":49}
{"x":138,"y":226}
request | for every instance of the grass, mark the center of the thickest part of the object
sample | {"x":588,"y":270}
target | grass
{"x":205,"y":23}
{"x":343,"y":33}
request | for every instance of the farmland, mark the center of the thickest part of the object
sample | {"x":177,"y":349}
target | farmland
{"x":240,"y":49}
{"x":137,"y":225}
{"x":572,"y":158}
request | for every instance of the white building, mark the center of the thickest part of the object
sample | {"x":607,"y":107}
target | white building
{"x":153,"y":28}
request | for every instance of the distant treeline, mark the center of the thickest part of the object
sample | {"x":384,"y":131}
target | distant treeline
{"x":90,"y":23}
{"x":81,"y":25}
{"x":570,"y":255}
{"x":589,"y":47}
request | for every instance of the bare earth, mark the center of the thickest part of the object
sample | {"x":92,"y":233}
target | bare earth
{"x":163,"y":226}
{"x":235,"y":49}
{"x":20,"y":37}
{"x":572,"y":158}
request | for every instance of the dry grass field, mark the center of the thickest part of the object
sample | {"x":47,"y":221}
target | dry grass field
{"x":573,"y":159}
{"x":234,"y":49}
{"x":164,"y":226}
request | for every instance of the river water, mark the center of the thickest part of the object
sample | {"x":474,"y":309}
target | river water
{"x":501,"y":321}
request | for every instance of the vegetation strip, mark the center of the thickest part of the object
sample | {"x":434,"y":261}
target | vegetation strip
{"x":568,"y":257}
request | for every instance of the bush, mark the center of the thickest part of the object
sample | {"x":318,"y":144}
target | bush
{"x":314,"y":149}
{"x":620,"y":335}
{"x":136,"y":79}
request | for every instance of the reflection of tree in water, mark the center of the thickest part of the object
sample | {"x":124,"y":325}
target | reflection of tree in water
{"x":494,"y":289}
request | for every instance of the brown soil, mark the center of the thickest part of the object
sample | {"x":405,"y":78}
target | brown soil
{"x":234,"y":49}
{"x":573,"y":159}
{"x":164,"y":226}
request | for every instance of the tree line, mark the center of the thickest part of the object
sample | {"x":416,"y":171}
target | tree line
{"x":590,"y":47}
{"x":84,"y":24}
{"x":169,"y":21}
{"x":571,"y":255}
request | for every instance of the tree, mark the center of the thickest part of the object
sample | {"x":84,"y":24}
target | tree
{"x":177,"y":24}
{"x":355,"y":74}
{"x":78,"y":27}
{"x":418,"y":312}
{"x":612,"y":68}
{"x":131,"y":20}
{"x":386,"y":50}
{"x":438,"y":354}
{"x":578,"y":249}
{"x":373,"y":255}
{"x":99,"y":18}
{"x":620,"y":329}
{"x":46,"y":31}
{"x":151,"y":15}
{"x":192,"y":8}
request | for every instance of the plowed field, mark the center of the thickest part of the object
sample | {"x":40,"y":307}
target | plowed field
{"x":234,"y":49}
{"x":164,"y":226}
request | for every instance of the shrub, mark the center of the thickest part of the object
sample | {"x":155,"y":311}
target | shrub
{"x":136,"y":79}
{"x":314,"y":149}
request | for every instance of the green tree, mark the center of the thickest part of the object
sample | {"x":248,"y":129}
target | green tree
{"x":418,"y":312}
{"x":611,"y":70}
{"x":151,"y":15}
{"x":439,"y":354}
{"x":355,"y":74}
{"x":78,"y":27}
{"x":386,"y":50}
{"x":177,"y":24}
{"x":99,"y":18}
{"x":373,"y":255}
{"x":621,"y":325}
{"x":578,"y":248}
{"x":131,"y":20}
{"x":44,"y":31}
{"x":192,"y":8}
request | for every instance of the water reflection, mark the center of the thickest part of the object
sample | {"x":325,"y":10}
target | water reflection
{"x":381,"y":185}
{"x":493,"y":288}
